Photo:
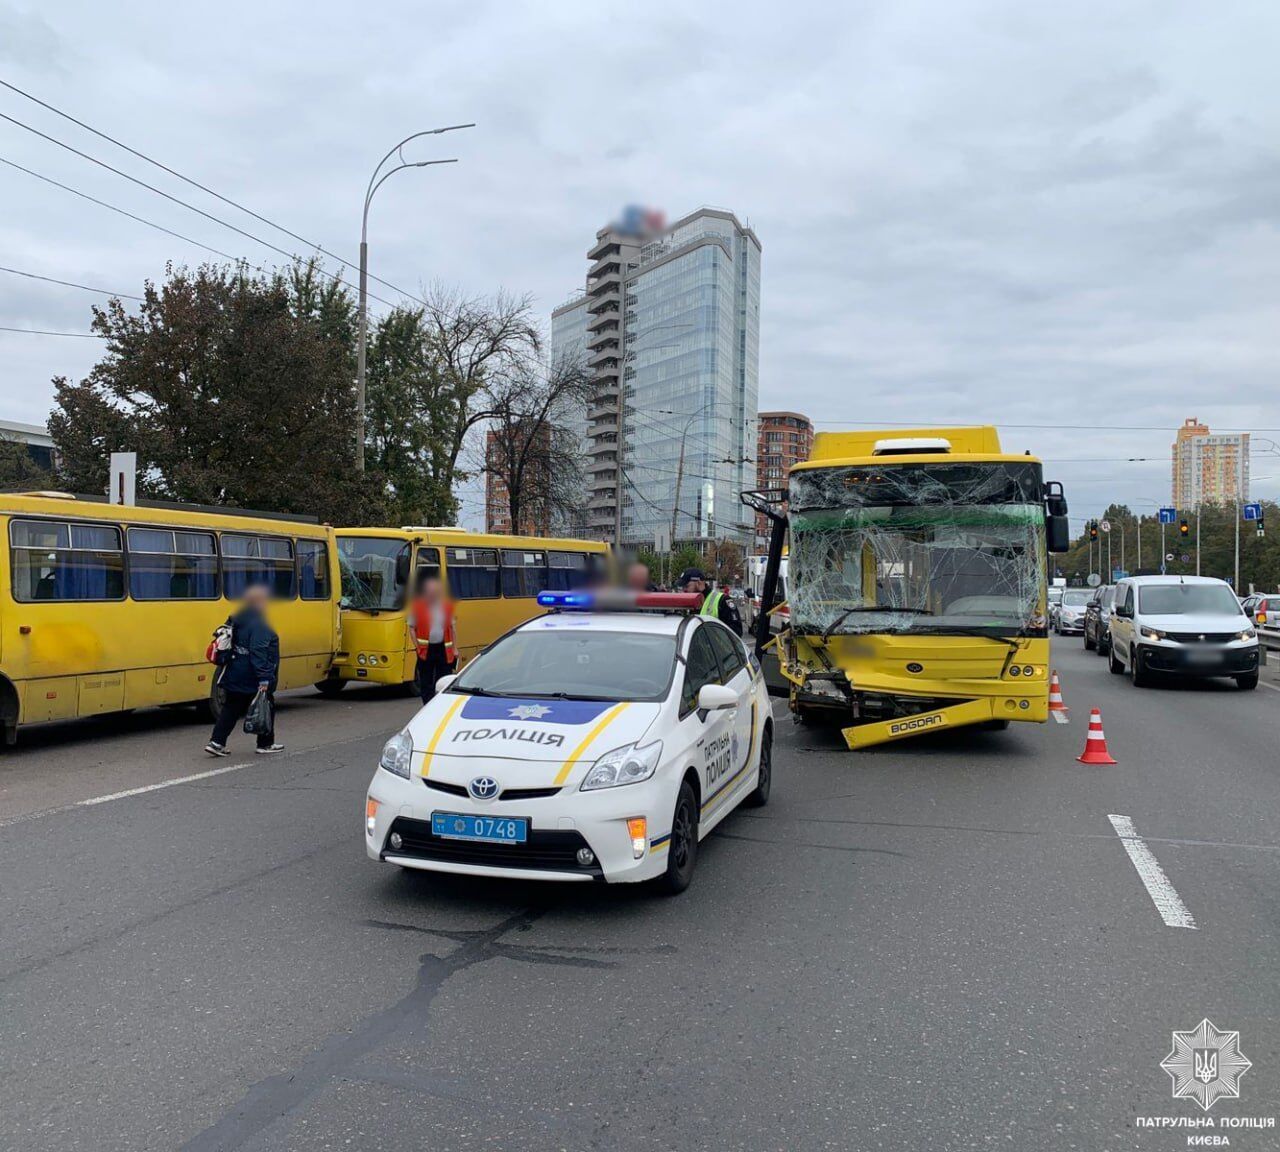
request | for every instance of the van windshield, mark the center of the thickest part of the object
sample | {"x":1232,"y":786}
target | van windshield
{"x":372,"y":571}
{"x":1187,"y":599}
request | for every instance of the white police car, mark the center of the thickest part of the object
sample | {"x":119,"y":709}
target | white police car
{"x":600,"y":741}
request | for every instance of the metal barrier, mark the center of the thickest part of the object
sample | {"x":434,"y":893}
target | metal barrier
{"x":1270,"y":637}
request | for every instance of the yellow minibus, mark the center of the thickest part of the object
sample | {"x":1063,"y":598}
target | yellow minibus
{"x":107,"y":608}
{"x":493,"y":581}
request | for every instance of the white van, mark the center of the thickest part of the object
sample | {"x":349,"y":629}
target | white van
{"x":1184,"y":626}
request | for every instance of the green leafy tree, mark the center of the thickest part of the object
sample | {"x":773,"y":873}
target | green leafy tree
{"x":19,"y":472}
{"x":233,"y":389}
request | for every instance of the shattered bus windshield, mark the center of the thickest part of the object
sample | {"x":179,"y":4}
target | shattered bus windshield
{"x":918,"y":548}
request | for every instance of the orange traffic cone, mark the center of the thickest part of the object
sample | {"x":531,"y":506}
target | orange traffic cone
{"x":1055,"y":695}
{"x":1095,"y":745}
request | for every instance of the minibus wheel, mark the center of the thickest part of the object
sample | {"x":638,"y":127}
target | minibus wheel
{"x":330,"y":687}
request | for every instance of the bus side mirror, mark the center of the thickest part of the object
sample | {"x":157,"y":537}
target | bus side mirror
{"x":1057,"y":533}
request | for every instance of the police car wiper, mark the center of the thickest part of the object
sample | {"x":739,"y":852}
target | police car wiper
{"x":478,"y":692}
{"x":567,"y":696}
{"x":826,"y":632}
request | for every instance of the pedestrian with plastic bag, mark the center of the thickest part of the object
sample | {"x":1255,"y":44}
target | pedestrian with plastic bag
{"x":249,"y":659}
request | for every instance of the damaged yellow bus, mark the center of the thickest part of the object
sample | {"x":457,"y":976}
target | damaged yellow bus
{"x":917,"y":582}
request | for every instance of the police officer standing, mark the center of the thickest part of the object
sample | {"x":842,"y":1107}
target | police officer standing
{"x":714,"y":601}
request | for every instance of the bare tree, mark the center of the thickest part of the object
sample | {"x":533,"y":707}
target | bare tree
{"x":531,"y":450}
{"x":476,"y":342}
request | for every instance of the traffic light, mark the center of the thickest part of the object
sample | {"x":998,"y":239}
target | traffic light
{"x":1184,"y":529}
{"x":1093,"y":529}
{"x":1262,"y":528}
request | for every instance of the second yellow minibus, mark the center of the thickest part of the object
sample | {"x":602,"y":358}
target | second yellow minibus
{"x":493,"y":581}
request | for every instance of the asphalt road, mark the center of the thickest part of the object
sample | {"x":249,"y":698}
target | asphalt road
{"x":936,"y":945}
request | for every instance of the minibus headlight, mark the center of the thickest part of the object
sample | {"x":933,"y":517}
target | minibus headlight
{"x":397,"y":753}
{"x":1248,"y":634}
{"x":361,"y":659}
{"x":1151,"y":633}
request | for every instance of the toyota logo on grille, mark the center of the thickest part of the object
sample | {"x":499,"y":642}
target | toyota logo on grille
{"x":483,"y":788}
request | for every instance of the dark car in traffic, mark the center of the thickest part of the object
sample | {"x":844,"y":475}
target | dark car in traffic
{"x":1097,"y":620}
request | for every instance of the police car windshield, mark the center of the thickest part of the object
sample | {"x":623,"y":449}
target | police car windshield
{"x":577,"y":665}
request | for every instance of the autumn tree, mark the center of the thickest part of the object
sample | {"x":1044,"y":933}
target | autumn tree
{"x":531,"y":446}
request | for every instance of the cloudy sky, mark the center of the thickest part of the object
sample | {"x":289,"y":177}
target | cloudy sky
{"x":1060,"y":219}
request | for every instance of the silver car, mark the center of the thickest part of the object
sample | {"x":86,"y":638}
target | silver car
{"x":1069,"y":619}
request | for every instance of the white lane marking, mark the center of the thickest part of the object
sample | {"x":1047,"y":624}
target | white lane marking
{"x":1163,"y":894}
{"x":1060,"y":717}
{"x":163,"y":784}
{"x":1273,"y":687}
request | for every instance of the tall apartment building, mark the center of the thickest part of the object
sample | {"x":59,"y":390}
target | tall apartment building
{"x":1209,"y":468}
{"x":783,"y":439}
{"x":536,"y":521}
{"x":669,"y":325}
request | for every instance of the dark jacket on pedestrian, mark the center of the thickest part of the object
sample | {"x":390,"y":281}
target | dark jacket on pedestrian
{"x":255,"y":654}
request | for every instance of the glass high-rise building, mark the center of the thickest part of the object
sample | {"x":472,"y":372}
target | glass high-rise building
{"x":669,"y":324}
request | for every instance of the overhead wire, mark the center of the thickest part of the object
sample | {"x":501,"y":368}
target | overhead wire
{"x":152,"y":224}
{"x":202,"y":187}
{"x":68,"y":283}
{"x":292,"y":256}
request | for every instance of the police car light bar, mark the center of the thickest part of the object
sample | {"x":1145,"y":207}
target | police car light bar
{"x":620,"y":600}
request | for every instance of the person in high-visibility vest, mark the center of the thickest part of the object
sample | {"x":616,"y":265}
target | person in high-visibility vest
{"x":431,"y":629}
{"x":715,"y":602}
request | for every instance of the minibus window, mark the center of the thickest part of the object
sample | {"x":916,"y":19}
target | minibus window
{"x":250,"y":560}
{"x":57,"y":561}
{"x":170,"y":565}
{"x":523,"y":573}
{"x":313,"y":570}
{"x":472,"y":572}
{"x":567,"y":571}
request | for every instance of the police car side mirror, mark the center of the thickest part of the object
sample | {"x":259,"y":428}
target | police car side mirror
{"x":715,"y":697}
{"x":443,"y":683}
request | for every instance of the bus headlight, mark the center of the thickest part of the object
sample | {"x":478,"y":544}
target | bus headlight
{"x":397,"y":753}
{"x":361,"y":659}
{"x":627,"y":765}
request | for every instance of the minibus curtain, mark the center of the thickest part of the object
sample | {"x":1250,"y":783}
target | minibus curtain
{"x":85,"y":576}
{"x":473,"y":583}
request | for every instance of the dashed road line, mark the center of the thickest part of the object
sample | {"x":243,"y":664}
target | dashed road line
{"x":1060,"y":717}
{"x":1163,"y":894}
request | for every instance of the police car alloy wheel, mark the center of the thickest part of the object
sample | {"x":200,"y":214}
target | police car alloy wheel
{"x":682,"y":856}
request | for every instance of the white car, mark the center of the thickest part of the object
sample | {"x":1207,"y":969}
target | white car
{"x":586,"y":744}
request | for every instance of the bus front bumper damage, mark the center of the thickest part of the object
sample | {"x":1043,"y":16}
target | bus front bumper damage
{"x":882,"y":716}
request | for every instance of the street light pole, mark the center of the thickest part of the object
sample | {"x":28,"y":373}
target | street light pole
{"x":375,"y":182}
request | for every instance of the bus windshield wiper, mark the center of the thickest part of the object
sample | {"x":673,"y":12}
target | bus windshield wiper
{"x":949,"y":630}
{"x":826,"y":632}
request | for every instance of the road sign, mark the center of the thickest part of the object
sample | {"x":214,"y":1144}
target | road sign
{"x":1168,"y":555}
{"x":1168,"y":516}
{"x":1118,"y":574}
{"x":1105,"y":525}
{"x":1185,"y":558}
{"x":1093,"y":580}
{"x":1253,"y":511}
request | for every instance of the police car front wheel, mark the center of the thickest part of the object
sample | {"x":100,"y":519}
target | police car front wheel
{"x":682,"y":853}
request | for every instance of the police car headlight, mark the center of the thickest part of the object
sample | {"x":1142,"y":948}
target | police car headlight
{"x":397,"y":753}
{"x":628,"y":765}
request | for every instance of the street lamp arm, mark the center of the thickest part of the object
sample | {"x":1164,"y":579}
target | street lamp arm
{"x":391,"y":152}
{"x":373,"y":188}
